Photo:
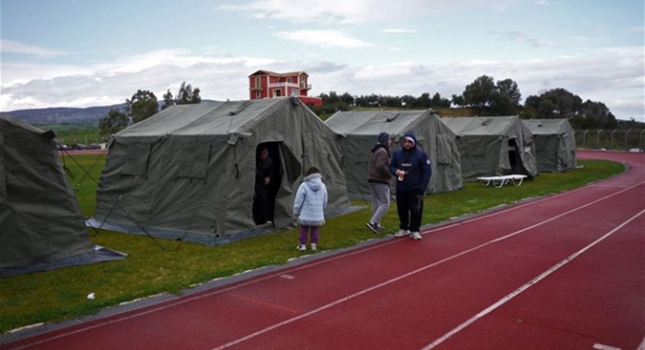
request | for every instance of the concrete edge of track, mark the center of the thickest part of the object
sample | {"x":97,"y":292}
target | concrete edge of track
{"x":38,"y":329}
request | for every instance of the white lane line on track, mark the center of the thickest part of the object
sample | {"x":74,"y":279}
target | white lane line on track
{"x":531,"y":283}
{"x":642,"y":346}
{"x":172,"y":303}
{"x":380,"y":285}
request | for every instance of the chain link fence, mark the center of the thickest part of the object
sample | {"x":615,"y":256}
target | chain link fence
{"x":614,"y":139}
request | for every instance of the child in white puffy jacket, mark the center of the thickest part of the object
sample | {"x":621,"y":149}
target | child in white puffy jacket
{"x":309,"y":207}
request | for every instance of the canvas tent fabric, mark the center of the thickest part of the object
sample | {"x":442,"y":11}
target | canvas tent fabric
{"x":359,"y":131}
{"x":188,"y":171}
{"x":555,"y":144}
{"x":491,"y":146}
{"x":41,"y":224}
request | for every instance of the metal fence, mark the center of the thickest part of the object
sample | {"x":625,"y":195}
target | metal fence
{"x":614,"y":139}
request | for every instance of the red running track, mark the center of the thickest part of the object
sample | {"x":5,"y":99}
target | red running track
{"x":561,"y":272}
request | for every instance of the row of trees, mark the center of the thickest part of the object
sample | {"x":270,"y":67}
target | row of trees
{"x":483,"y":97}
{"x":144,"y":104}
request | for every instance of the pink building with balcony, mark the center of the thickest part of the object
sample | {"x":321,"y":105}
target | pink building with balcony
{"x":267,"y":84}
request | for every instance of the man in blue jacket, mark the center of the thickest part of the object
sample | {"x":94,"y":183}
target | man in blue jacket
{"x":411,"y":166}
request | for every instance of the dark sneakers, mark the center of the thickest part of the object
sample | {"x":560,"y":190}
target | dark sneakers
{"x":374,"y":227}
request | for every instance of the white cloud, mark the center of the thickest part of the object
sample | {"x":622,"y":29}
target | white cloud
{"x":8,"y":46}
{"x":615,"y":77}
{"x":356,"y":11}
{"x":399,"y":31}
{"x":325,"y":38}
{"x":533,"y":43}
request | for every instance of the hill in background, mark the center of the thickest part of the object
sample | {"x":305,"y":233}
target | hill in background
{"x":63,"y":115}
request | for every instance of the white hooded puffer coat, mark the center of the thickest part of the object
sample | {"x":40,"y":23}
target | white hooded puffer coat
{"x":311,"y":201}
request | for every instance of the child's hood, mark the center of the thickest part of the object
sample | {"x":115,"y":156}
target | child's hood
{"x":313,"y":181}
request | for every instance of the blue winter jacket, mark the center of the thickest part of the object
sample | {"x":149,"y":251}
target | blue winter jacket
{"x":417,"y":165}
{"x":311,"y":201}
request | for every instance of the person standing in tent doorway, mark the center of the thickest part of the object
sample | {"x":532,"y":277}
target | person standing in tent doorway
{"x":379,"y":179}
{"x":412,"y":168}
{"x":263,"y":176}
{"x":309,"y":208}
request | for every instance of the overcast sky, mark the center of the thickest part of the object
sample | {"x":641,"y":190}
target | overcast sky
{"x":82,"y":53}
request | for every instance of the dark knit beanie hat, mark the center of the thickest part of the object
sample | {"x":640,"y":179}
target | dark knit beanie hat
{"x":383,"y":138}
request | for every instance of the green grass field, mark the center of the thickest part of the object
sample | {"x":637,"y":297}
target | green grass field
{"x":62,"y":294}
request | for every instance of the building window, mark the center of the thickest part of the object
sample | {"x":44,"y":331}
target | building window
{"x":257,"y":94}
{"x":277,"y":93}
{"x":257,"y":82}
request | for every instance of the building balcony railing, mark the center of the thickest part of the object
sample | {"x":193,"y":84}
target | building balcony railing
{"x":305,"y":86}
{"x":256,"y":88}
{"x":285,"y":84}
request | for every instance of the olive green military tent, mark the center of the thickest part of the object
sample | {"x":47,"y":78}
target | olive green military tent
{"x":41,"y":224}
{"x":555,"y":144}
{"x":359,"y":131}
{"x":188,"y":172}
{"x":491,"y":146}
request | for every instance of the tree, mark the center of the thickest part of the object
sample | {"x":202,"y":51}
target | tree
{"x":508,"y":88}
{"x":488,"y":97}
{"x":142,"y":105}
{"x":555,"y":103}
{"x":187,"y":95}
{"x":439,"y":102}
{"x":506,"y":98}
{"x":112,"y":123}
{"x":347,"y":98}
{"x":598,"y":115}
{"x":479,"y":93}
{"x":424,"y":100}
{"x":168,"y":100}
{"x":458,"y":100}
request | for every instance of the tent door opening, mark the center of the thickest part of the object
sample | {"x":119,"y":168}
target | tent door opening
{"x":267,"y":181}
{"x":514,"y":159}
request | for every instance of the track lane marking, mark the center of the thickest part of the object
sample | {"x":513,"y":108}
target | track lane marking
{"x":526,"y":286}
{"x":414,"y":272}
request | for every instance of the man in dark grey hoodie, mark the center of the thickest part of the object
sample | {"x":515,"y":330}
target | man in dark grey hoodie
{"x":379,"y":179}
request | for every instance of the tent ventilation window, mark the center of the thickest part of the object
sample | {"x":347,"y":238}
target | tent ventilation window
{"x":193,"y":161}
{"x":136,"y":162}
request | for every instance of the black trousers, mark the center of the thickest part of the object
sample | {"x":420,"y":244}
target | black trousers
{"x":262,"y":204}
{"x":409,"y":206}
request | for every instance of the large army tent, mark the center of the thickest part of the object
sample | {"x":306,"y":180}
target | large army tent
{"x":359,"y":130}
{"x":188,"y":171}
{"x":491,"y":146}
{"x":555,"y":144}
{"x":41,"y":224}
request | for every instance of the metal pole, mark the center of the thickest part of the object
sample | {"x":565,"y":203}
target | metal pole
{"x":640,"y":140}
{"x":611,"y":142}
{"x":627,"y":133}
{"x":584,"y":138}
{"x":598,"y":139}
